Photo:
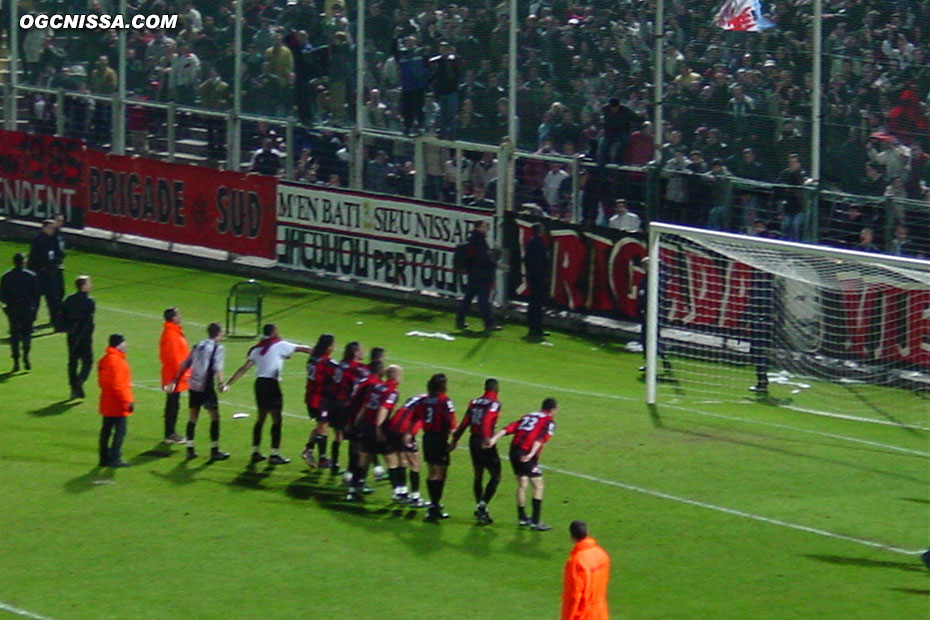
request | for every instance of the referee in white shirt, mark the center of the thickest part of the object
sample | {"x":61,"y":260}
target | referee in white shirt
{"x":268,"y":358}
{"x":206,"y":362}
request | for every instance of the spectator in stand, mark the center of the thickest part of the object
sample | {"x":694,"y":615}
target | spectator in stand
{"x":623,"y":219}
{"x":874,"y":183}
{"x":446,"y":71}
{"x":866,"y":241}
{"x":267,"y":160}
{"x":479,"y":199}
{"x":893,"y":155}
{"x":793,"y":217}
{"x":281,"y":60}
{"x":551,"y":185}
{"x":748,"y":167}
{"x":641,"y":148}
{"x":618,"y":120}
{"x":214,"y":94}
{"x":184,"y":76}
{"x":676,"y":187}
{"x":918,"y":178}
{"x":378,"y":174}
{"x":412,"y":64}
{"x":900,"y":245}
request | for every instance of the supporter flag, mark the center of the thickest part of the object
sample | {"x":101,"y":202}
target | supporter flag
{"x":742,"y":16}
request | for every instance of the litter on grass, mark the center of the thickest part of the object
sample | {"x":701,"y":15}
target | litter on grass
{"x":240,"y":414}
{"x":439,"y":335}
{"x":634,"y":347}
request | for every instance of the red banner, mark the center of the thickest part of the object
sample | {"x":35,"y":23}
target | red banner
{"x":593,"y":272}
{"x":181,"y":204}
{"x":40,"y":177}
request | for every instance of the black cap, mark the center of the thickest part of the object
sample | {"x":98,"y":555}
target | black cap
{"x":116,"y":340}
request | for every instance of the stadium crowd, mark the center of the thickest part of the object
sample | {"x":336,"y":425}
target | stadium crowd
{"x":737,"y":105}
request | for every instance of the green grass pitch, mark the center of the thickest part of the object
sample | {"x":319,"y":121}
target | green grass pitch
{"x":709,"y":510}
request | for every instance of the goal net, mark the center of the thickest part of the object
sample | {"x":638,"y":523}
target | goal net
{"x":732,"y":318}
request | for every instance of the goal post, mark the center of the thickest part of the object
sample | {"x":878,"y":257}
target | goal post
{"x":812,"y":327}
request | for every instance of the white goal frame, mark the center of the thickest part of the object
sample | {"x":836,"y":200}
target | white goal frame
{"x":657,"y":229}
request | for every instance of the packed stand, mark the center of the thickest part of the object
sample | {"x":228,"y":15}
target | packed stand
{"x":737,"y":105}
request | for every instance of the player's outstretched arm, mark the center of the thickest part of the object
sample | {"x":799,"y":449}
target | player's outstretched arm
{"x":489,"y":443}
{"x":237,"y":375}
{"x":181,"y":370}
{"x":303,"y":349}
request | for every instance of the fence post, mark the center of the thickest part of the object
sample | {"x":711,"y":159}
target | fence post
{"x":357,"y":151}
{"x":419,"y":167}
{"x":289,"y":150}
{"x":576,"y":191}
{"x":171,"y":127}
{"x":60,"y":112}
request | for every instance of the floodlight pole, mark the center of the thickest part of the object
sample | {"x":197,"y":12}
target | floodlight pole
{"x":512,"y":75}
{"x":815,"y":91}
{"x":652,"y":314}
{"x":14,"y":65}
{"x":659,"y":63}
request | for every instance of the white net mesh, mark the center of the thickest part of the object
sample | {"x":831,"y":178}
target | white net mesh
{"x":841,"y":334}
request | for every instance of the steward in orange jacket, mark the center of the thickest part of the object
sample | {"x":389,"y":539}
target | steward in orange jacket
{"x":172,"y":350}
{"x":116,"y":401}
{"x":584,"y":593}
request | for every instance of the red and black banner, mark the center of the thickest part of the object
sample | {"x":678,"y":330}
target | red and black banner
{"x":40,"y":177}
{"x":594,"y":271}
{"x":181,"y":204}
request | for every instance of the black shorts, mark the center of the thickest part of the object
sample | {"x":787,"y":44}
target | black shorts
{"x":529,"y":469}
{"x":268,"y":395}
{"x":436,"y":448}
{"x":368,"y":440}
{"x":337,"y":416}
{"x":482,"y":457}
{"x":322,"y":413}
{"x":395,"y":442}
{"x":206,"y":399}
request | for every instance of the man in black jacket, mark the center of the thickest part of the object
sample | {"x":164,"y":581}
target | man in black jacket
{"x":618,"y":122}
{"x":45,"y":259}
{"x":19,"y":292}
{"x":78,"y":315}
{"x":480,"y":273}
{"x":536,"y":263}
{"x":447,"y":73}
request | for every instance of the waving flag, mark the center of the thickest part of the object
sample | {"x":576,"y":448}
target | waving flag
{"x":742,"y":16}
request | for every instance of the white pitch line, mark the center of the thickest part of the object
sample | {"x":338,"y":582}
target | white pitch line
{"x":685,"y":500}
{"x":636,"y":401}
{"x":22,"y":612}
{"x":734,"y":512}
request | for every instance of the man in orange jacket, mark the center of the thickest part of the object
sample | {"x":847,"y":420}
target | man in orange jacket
{"x":172,"y":350}
{"x":584,"y":593}
{"x":116,"y":402}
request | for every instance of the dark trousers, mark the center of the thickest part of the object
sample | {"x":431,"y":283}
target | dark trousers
{"x":411,"y":107}
{"x":534,"y":312}
{"x":216,"y":137}
{"x":172,"y":406}
{"x":79,"y":350}
{"x":52,"y":287}
{"x":20,"y":333}
{"x":482,"y":290}
{"x":110,"y":453}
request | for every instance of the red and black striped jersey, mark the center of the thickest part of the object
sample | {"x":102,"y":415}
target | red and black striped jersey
{"x":481,"y":415}
{"x":533,"y":427}
{"x":360,"y":393}
{"x":437,"y":414}
{"x":352,"y":372}
{"x":404,"y":420}
{"x":324,"y":375}
{"x":384,"y":394}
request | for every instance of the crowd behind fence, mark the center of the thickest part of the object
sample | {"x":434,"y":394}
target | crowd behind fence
{"x":431,"y":116}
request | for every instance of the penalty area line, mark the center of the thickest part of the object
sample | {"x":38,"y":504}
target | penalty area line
{"x":22,"y":612}
{"x":734,"y":512}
